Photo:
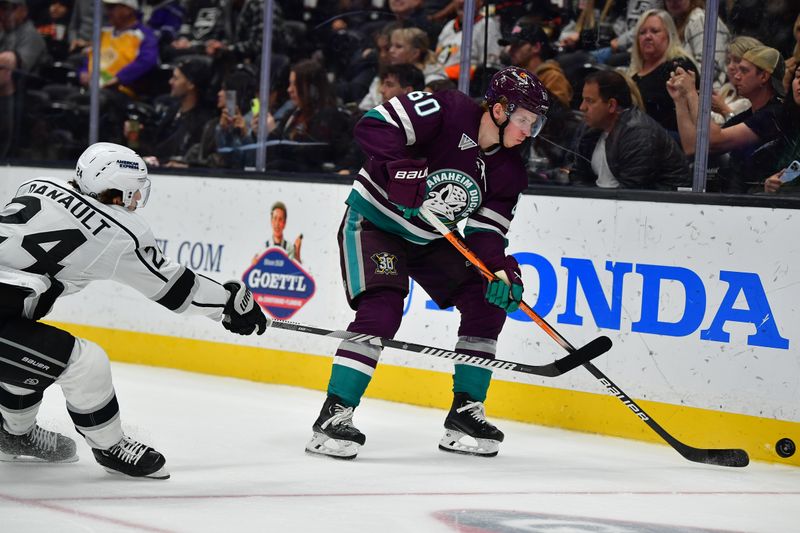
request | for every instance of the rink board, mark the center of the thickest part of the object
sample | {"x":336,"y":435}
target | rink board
{"x":698,"y":300}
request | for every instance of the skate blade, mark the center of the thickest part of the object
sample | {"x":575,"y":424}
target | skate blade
{"x":161,"y":473}
{"x":451,"y":442}
{"x":8,"y":458}
{"x":320,"y":445}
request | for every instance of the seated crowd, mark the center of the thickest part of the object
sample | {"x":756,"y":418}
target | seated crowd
{"x":180,"y":82}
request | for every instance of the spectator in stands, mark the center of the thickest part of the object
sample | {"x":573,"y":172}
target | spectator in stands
{"x":316,"y":136}
{"x":129,"y":49}
{"x":53,"y":27}
{"x":624,"y":147}
{"x":448,"y":48}
{"x":793,"y":60}
{"x":690,"y":20}
{"x":205,"y":21}
{"x":656,"y":53}
{"x":400,"y":79}
{"x":166,"y":20}
{"x":358,"y":82}
{"x":182,"y":125}
{"x":618,"y":53}
{"x":8,"y":123}
{"x":373,"y":60}
{"x":243,"y":42}
{"x":79,"y":31}
{"x":440,"y":85}
{"x":411,"y":45}
{"x":791,"y":138}
{"x":411,"y":13}
{"x":223,"y":138}
{"x":726,"y":102}
{"x":527,"y":46}
{"x":18,"y":35}
{"x":747,"y":137}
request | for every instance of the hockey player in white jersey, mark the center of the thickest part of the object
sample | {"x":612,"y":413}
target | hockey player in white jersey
{"x":55,"y":238}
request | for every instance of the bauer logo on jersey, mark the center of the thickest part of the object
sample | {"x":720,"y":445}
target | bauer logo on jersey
{"x":279,"y":284}
{"x":452,"y":194}
{"x":386,"y":263}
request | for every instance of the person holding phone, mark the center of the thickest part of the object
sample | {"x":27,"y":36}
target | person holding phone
{"x":785,"y":181}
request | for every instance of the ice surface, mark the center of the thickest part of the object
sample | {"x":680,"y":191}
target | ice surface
{"x":235,"y":452}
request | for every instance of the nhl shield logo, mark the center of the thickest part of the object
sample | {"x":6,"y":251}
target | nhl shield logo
{"x":279,"y":284}
{"x":453,"y":194}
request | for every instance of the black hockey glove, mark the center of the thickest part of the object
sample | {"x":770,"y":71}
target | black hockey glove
{"x":242,"y":314}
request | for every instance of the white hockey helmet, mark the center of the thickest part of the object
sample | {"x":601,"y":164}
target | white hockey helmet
{"x":105,"y":166}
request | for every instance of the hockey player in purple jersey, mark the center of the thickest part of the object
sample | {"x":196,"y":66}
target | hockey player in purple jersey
{"x":460,"y":159}
{"x":55,"y":238}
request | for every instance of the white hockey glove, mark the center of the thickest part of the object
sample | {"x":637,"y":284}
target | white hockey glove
{"x":242,"y":314}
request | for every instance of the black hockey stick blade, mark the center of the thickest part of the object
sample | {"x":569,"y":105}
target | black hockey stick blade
{"x":720,"y":457}
{"x":712,"y":456}
{"x":556,"y":368}
{"x":582,"y":355}
{"x":733,"y":457}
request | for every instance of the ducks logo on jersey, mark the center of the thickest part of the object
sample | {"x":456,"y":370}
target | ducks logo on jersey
{"x":453,"y":195}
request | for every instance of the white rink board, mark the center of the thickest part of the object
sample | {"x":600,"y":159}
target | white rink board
{"x":753,"y":249}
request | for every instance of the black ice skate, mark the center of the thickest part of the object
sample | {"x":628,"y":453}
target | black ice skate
{"x":467,"y":418}
{"x":38,"y":445}
{"x":133,"y":459}
{"x":334,"y":432}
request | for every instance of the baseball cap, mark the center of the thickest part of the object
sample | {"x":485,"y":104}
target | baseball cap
{"x":133,"y":4}
{"x":770,"y":60}
{"x":528,"y":32}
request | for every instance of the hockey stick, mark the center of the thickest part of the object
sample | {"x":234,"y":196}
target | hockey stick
{"x":720,"y":457}
{"x":556,"y":368}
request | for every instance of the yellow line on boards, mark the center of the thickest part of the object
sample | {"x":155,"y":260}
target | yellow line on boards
{"x":568,"y":409}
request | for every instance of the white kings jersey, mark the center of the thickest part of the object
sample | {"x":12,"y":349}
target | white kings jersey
{"x":50,"y":230}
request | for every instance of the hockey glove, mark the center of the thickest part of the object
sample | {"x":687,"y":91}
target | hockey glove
{"x":504,"y":296}
{"x":242,"y":314}
{"x":407,"y":187}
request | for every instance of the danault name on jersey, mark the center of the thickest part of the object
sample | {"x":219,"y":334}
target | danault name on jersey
{"x":77,"y":207}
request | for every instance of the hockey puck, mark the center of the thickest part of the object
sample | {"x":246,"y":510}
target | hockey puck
{"x":785,"y":447}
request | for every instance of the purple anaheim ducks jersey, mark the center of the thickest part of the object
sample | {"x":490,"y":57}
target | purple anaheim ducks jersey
{"x":463,"y":182}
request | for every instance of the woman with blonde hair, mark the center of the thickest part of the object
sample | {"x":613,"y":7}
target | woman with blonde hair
{"x":411,"y":45}
{"x":656,"y":53}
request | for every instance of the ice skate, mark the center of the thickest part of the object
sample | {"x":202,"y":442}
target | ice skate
{"x":334,"y":432}
{"x":467,"y":420}
{"x":132,"y":458}
{"x":37,"y":446}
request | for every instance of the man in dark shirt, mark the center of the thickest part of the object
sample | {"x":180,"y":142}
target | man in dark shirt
{"x":624,"y":147}
{"x":746,"y":137}
{"x":183,"y":124}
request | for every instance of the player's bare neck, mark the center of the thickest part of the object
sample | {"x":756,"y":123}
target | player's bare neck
{"x":488,"y":133}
